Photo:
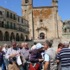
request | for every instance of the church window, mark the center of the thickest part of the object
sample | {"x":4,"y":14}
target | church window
{"x":42,"y":36}
{"x":25,"y":10}
{"x":41,"y":20}
{"x":26,"y":1}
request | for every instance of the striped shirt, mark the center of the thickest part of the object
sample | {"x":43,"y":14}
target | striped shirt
{"x":64,"y":57}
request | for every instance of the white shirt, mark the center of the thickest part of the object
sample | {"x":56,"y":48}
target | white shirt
{"x":46,"y":57}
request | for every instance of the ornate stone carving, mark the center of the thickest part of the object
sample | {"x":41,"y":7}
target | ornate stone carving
{"x":42,"y":27}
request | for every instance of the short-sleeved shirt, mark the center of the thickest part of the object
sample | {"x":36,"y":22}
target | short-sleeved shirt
{"x":64,"y":57}
{"x":12,"y":51}
{"x":50,"y":57}
{"x":46,"y":57}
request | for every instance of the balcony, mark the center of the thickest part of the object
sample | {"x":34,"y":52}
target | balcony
{"x":22,"y":30}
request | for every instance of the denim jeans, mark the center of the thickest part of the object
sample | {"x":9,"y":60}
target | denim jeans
{"x":25,"y":66}
{"x":6,"y":63}
{"x":65,"y":68}
{"x":2,"y":67}
{"x":21,"y":67}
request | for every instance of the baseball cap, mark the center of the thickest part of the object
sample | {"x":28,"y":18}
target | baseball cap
{"x":39,"y":45}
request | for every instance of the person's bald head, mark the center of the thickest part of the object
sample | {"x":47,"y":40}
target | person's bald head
{"x":26,"y":45}
{"x":22,"y":45}
{"x":66,"y":44}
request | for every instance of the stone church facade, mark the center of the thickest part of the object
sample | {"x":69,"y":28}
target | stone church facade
{"x":44,"y":22}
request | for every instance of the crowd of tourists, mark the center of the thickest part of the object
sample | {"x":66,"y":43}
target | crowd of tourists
{"x":39,"y":56}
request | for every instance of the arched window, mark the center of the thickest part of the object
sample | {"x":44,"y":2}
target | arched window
{"x":26,"y":1}
{"x":17,"y":37}
{"x":1,"y":36}
{"x":21,"y":37}
{"x":42,"y":36}
{"x":26,"y":38}
{"x":6,"y":36}
{"x":12,"y":37}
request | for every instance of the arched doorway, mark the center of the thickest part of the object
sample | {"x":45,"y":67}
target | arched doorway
{"x":42,"y":36}
{"x":1,"y":36}
{"x":17,"y":37}
{"x":12,"y":37}
{"x":6,"y":36}
{"x":21,"y":37}
{"x":26,"y":38}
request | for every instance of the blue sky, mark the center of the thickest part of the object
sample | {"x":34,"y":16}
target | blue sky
{"x":15,"y":5}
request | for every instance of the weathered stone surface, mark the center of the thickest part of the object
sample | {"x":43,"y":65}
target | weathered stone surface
{"x":43,"y":20}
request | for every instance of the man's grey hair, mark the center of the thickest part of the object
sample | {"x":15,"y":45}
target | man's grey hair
{"x":49,"y":43}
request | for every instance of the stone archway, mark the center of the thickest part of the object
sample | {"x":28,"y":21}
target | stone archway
{"x":21,"y":37}
{"x":1,"y":36}
{"x":42,"y":35}
{"x":26,"y":38}
{"x":6,"y":36}
{"x":12,"y":36}
{"x":17,"y":37}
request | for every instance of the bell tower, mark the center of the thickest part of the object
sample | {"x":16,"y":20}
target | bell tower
{"x":55,"y":12}
{"x":55,"y":4}
{"x":27,"y":14}
{"x":26,"y":6}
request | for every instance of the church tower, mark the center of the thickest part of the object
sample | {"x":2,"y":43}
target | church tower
{"x":55,"y":2}
{"x":26,"y":6}
{"x":44,"y":22}
{"x":27,"y":14}
{"x":55,"y":12}
{"x":55,"y":5}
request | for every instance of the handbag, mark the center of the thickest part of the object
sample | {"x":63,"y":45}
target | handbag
{"x":19,"y":61}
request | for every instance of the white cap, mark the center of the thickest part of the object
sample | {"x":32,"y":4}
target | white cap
{"x":39,"y":45}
